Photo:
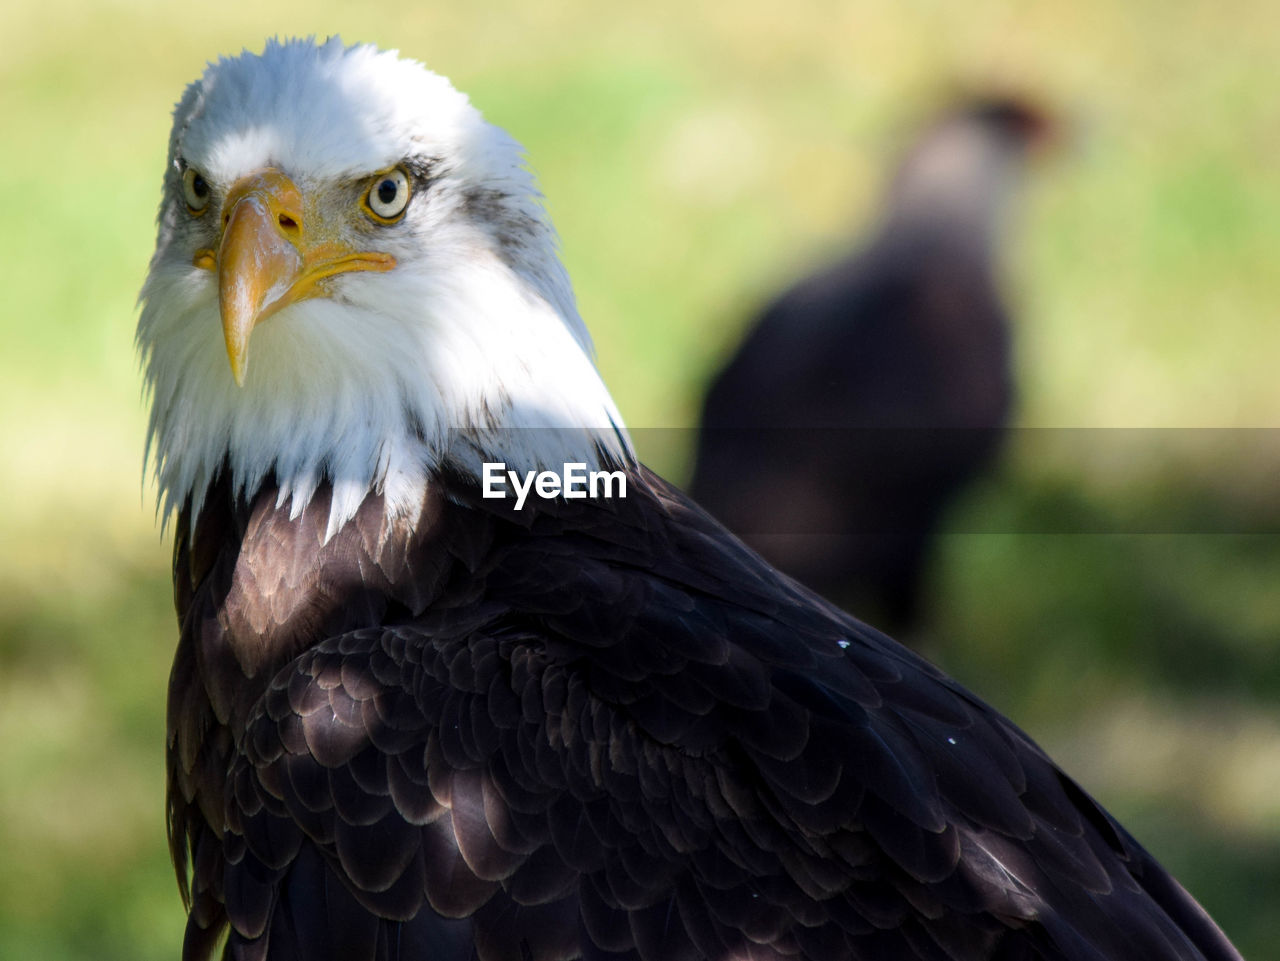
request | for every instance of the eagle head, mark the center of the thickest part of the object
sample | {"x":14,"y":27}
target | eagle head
{"x":355,"y":282}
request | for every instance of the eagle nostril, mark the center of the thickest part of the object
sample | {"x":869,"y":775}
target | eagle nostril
{"x":287,"y":222}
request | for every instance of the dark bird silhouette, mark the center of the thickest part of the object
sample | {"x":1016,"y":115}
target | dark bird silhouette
{"x":415,"y":718}
{"x":869,"y":394}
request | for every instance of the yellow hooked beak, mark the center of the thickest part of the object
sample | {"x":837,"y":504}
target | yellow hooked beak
{"x":271,"y":256}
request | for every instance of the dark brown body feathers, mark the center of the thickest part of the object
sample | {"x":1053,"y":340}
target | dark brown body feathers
{"x":603,"y":730}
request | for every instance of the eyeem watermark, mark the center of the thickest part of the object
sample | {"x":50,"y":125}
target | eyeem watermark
{"x":573,"y":483}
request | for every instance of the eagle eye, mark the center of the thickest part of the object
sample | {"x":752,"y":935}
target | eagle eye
{"x":388,"y":195}
{"x":196,"y":190}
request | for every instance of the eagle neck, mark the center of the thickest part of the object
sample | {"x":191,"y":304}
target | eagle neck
{"x":255,"y":584}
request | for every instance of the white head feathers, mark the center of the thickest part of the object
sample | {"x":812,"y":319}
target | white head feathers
{"x":465,"y":351}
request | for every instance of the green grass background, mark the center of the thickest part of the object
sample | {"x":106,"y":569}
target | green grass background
{"x":695,"y":157}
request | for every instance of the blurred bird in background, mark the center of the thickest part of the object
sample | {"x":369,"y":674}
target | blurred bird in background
{"x":870,"y":393}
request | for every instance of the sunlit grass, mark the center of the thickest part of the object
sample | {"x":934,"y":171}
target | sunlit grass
{"x":695,"y":156}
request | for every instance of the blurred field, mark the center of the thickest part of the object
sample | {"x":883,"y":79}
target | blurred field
{"x":695,"y":157}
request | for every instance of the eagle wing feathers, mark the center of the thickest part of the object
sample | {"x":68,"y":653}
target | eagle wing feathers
{"x":676,"y":773}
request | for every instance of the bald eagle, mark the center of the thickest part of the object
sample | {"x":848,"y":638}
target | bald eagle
{"x":409,"y":719}
{"x":871,"y":392}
